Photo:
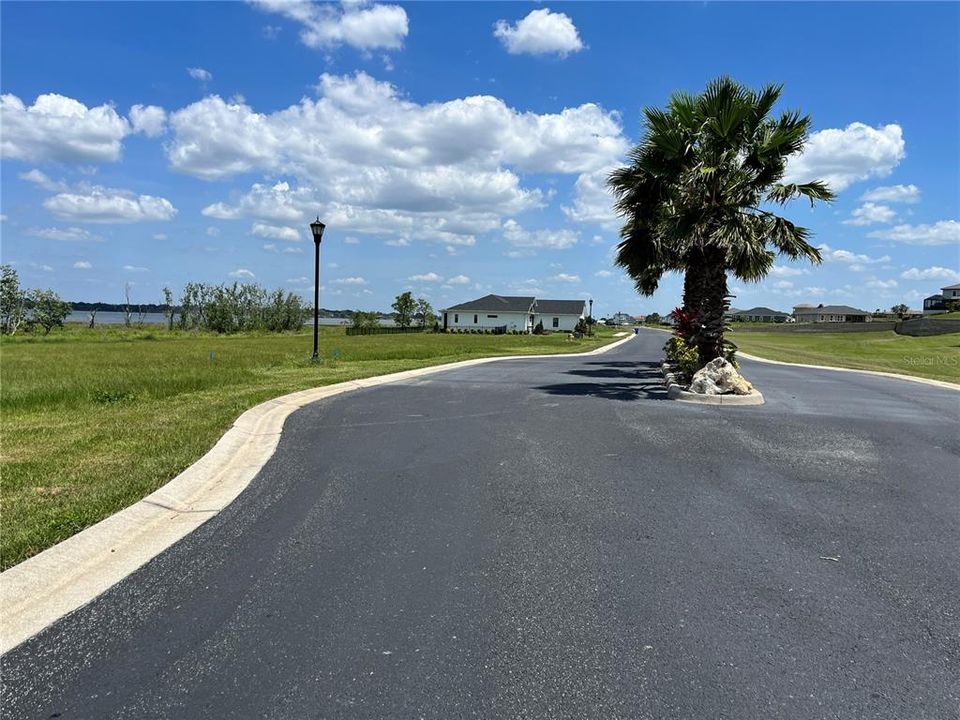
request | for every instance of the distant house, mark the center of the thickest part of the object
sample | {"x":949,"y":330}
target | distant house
{"x":759,"y":314}
{"x":940,"y":303}
{"x":511,"y":312}
{"x":830,"y":313}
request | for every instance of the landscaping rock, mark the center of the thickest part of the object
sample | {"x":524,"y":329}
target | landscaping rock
{"x":719,"y":377}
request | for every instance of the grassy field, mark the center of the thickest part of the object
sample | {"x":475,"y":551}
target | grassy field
{"x":936,"y":357}
{"x":93,"y":420}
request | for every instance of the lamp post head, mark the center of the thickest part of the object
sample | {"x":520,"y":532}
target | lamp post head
{"x":317,"y":228}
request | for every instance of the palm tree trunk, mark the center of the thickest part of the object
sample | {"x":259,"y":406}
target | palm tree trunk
{"x":713,"y":305}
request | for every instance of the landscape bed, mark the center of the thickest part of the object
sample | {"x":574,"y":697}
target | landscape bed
{"x":936,"y":357}
{"x":93,"y":420}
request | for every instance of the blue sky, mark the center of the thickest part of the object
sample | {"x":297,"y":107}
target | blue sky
{"x":453,"y":149}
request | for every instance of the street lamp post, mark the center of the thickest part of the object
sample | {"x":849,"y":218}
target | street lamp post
{"x":591,"y":316}
{"x":317,"y":229}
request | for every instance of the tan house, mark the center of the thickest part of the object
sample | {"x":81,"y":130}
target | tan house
{"x":830,"y":314}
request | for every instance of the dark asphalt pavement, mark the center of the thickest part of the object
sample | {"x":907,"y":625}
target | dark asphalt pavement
{"x":551,"y":538}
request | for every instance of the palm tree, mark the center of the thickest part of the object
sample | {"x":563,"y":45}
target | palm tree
{"x":697,"y":194}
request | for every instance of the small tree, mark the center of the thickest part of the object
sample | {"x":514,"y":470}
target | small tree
{"x":899,"y":310}
{"x":48,"y":310}
{"x":653,"y":319}
{"x":538,"y":330}
{"x":365,"y":320}
{"x":13,"y":308}
{"x":93,"y":317}
{"x":424,"y":313}
{"x":168,"y":309}
{"x":404,"y":307}
{"x":583,"y":327}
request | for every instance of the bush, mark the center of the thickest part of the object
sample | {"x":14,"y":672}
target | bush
{"x":682,"y":355}
{"x":538,"y":330}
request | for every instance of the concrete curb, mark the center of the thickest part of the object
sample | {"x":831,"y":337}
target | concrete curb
{"x":675,"y":391}
{"x":878,"y":373}
{"x":42,"y":589}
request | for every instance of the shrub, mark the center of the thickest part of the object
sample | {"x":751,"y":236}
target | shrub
{"x":682,"y":355}
{"x":538,"y":330}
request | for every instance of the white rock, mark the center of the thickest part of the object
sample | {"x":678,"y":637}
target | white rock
{"x":719,"y":377}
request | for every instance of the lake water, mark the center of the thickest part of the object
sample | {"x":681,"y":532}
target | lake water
{"x":116,"y":318}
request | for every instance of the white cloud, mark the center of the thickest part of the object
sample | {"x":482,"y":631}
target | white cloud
{"x":106,"y":205}
{"x":870,"y":214}
{"x":787,"y":271}
{"x":603,"y":274}
{"x":351,"y":281}
{"x":458,"y":280}
{"x":243,"y":274}
{"x":846,"y":256}
{"x":876,"y":284}
{"x":430,"y":277}
{"x":520,"y":237}
{"x":893,"y":194}
{"x":361,"y":25}
{"x":60,"y":129}
{"x":135,"y":268}
{"x":564,"y":278}
{"x":150,"y":120}
{"x":276,"y":232}
{"x":944,"y":232}
{"x":931,"y":273}
{"x":349,"y":240}
{"x":39,"y":178}
{"x":783,"y":285}
{"x":159,"y":236}
{"x":198,"y":73}
{"x":843,"y":157}
{"x":592,"y":201}
{"x":370,"y":161}
{"x":82,"y":265}
{"x":69,"y":234}
{"x":213,"y":231}
{"x":292,"y":250}
{"x":542,"y":32}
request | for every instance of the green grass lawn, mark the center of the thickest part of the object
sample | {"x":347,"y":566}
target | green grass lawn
{"x":93,"y":420}
{"x":946,"y":316}
{"x":936,"y":357}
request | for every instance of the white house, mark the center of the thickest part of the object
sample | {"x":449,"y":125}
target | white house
{"x":510,"y":312}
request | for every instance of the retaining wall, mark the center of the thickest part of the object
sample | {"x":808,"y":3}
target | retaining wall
{"x":928,"y":326}
{"x":833,"y":327}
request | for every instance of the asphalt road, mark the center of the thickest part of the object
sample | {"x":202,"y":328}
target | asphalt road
{"x":551,"y":539}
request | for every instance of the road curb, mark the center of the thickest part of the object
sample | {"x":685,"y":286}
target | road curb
{"x":44,"y":588}
{"x":675,"y":391}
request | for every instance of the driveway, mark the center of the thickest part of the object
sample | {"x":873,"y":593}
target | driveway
{"x":551,"y":538}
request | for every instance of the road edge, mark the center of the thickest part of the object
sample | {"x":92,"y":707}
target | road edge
{"x":65,"y":577}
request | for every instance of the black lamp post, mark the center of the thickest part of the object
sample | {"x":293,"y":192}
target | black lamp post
{"x":590,"y":323}
{"x":317,"y":229}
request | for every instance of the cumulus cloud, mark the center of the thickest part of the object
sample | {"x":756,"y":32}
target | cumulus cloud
{"x":135,"y":268}
{"x":843,"y":157}
{"x":592,"y":201}
{"x":944,"y":232}
{"x":458,"y":280}
{"x":37,"y":177}
{"x":150,"y":120}
{"x":361,"y":25}
{"x":876,"y":284}
{"x":107,"y":205}
{"x":60,"y":129}
{"x":371,"y":161}
{"x":198,"y":73}
{"x":603,"y":274}
{"x":870,"y":214}
{"x":520,"y":237}
{"x":82,"y":265}
{"x":276,"y":232}
{"x":68,"y":234}
{"x":787,"y":271}
{"x":893,"y":194}
{"x":542,"y":32}
{"x":564,"y":278}
{"x":847,"y":257}
{"x":931,"y":273}
{"x":356,"y":280}
{"x":430,"y":277}
{"x":242,"y":274}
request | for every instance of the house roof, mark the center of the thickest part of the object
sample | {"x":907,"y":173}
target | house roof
{"x":561,"y":307}
{"x":761,"y":311}
{"x":952,"y":287}
{"x":501,"y":303}
{"x":833,"y":309}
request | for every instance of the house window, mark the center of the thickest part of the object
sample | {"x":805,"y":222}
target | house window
{"x":492,"y":317}
{"x":556,"y":322}
{"x":474,"y":319}
{"x":456,"y":318}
